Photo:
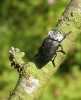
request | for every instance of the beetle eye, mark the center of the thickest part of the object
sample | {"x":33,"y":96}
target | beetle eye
{"x":59,"y":35}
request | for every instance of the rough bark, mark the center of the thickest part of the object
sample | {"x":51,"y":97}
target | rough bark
{"x":32,"y":80}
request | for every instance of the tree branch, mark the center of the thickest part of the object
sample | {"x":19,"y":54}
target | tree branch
{"x":33,"y":80}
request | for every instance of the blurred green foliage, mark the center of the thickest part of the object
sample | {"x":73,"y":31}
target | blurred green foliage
{"x":24,"y":24}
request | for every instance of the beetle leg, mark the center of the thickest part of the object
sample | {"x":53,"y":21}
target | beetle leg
{"x":53,"y":60}
{"x":66,"y":35}
{"x":61,"y":49}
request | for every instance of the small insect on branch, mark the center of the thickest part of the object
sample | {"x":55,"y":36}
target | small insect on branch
{"x":49,"y":48}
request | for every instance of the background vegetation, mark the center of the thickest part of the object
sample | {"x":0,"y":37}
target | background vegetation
{"x":24,"y":24}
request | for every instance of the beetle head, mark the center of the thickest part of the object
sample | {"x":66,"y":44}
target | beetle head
{"x":55,"y":35}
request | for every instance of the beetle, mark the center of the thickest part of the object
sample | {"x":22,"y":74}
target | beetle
{"x":49,"y":48}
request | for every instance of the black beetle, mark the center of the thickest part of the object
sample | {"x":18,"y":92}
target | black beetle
{"x":49,"y":48}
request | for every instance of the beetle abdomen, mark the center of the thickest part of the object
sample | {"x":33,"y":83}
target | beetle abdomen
{"x":46,"y":52}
